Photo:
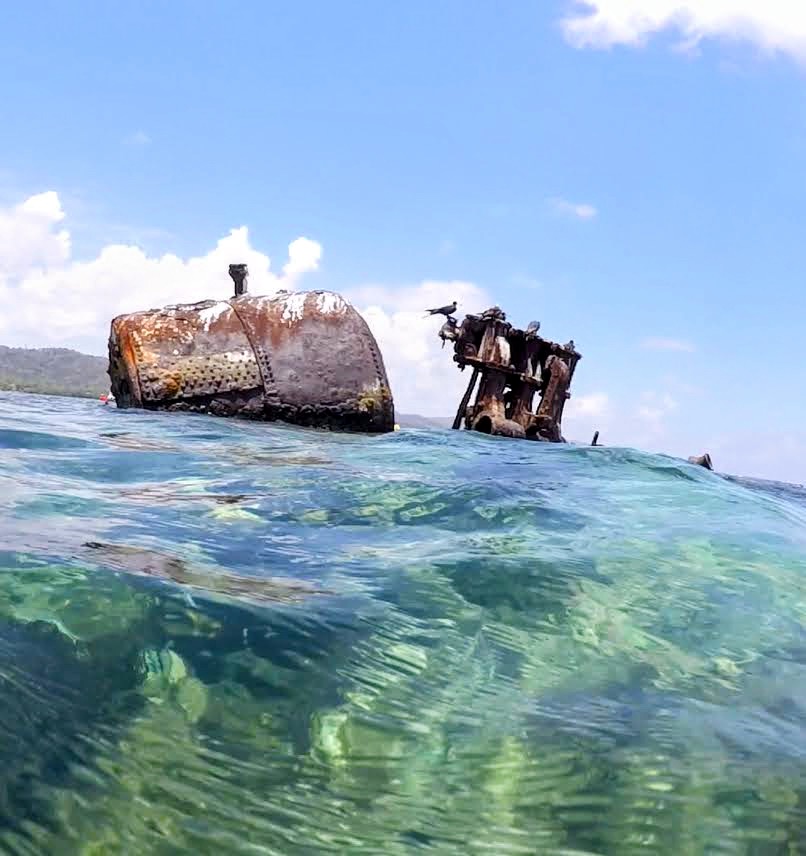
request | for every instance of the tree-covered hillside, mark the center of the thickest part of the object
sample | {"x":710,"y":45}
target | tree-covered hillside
{"x":414,"y":420}
{"x":53,"y":371}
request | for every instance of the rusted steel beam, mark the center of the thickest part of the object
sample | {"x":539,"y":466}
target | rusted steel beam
{"x":305,"y":357}
{"x":461,"y":413}
{"x":515,"y":366}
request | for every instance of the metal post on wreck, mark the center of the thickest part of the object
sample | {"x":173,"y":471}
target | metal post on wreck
{"x":239,"y":273}
{"x":460,"y":413}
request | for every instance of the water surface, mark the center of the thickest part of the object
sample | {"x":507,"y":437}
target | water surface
{"x":224,"y":637}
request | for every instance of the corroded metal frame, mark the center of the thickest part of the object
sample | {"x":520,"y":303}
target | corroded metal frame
{"x":511,"y":367}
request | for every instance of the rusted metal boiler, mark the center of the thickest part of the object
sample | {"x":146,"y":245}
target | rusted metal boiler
{"x":307,"y":358}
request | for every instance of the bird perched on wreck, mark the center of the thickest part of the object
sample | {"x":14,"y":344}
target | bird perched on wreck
{"x":531,"y":330}
{"x":448,"y":330}
{"x":447,"y":311}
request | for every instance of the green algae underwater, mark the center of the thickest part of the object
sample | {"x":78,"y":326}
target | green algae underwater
{"x":223,"y":637}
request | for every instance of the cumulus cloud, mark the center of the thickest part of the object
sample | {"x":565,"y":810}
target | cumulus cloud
{"x":660,"y":343}
{"x":772,"y":25}
{"x":304,"y":256}
{"x":422,"y":374}
{"x":49,"y":298}
{"x":577,"y":210}
{"x":30,"y":239}
{"x":586,"y":414}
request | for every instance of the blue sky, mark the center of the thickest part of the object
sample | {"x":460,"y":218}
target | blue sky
{"x":641,"y":197}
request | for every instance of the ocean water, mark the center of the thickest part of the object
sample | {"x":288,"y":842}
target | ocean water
{"x":224,"y":637}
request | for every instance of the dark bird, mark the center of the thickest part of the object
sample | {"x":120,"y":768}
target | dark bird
{"x":448,"y":330}
{"x":447,"y":311}
{"x":569,"y":346}
{"x":531,"y":330}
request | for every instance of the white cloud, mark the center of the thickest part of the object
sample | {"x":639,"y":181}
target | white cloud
{"x":49,"y":298}
{"x":595,"y":404}
{"x":660,"y":343}
{"x":655,"y":422}
{"x":772,"y":25}
{"x":304,"y":256}
{"x":654,"y":407}
{"x":422,"y":374}
{"x":138,"y":138}
{"x":586,"y":414}
{"x":29,"y":239}
{"x":578,"y":210}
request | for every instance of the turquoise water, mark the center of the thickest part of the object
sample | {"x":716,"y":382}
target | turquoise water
{"x":223,"y":637}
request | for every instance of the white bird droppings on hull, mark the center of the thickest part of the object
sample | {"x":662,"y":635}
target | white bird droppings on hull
{"x":212,"y":313}
{"x":325,"y":303}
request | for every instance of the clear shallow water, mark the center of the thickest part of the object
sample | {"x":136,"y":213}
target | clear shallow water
{"x":225,"y":637}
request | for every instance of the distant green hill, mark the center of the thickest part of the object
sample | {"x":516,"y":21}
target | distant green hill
{"x":53,"y":371}
{"x":414,"y":420}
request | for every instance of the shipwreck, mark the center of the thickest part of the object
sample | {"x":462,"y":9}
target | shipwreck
{"x":523,"y":379}
{"x":307,"y":358}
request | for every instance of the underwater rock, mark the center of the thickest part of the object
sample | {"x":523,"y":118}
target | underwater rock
{"x":205,"y":580}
